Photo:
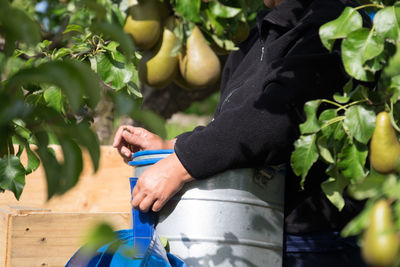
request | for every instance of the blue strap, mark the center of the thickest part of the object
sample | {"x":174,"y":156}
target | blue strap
{"x":143,"y":229}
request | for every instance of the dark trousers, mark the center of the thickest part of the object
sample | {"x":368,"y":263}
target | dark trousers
{"x":325,"y":249}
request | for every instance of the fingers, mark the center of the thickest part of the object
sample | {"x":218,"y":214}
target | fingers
{"x":136,"y":137}
{"x":158,"y":205}
{"x":137,"y":199}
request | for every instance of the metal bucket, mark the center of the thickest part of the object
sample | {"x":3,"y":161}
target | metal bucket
{"x":231,"y":219}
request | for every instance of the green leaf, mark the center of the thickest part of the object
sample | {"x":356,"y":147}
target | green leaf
{"x":351,"y":160}
{"x":304,"y":155}
{"x":72,"y":164}
{"x":222,"y":11}
{"x":367,"y":187}
{"x":327,"y":118}
{"x":360,"y":46}
{"x":17,"y":26}
{"x":99,"y":236}
{"x":124,"y":104}
{"x":73,"y":77}
{"x":189,"y":9}
{"x":324,"y":151}
{"x":396,"y":213}
{"x":333,"y":189}
{"x":113,"y":72}
{"x":342,"y":99}
{"x":53,"y":98}
{"x":349,"y":21}
{"x":12,"y":175}
{"x":360,"y":122}
{"x":311,"y":125}
{"x":394,"y":88}
{"x":151,"y":120}
{"x":60,"y":53}
{"x":387,"y":22}
{"x":73,"y":27}
{"x":115,"y":33}
{"x":357,"y":225}
{"x":391,"y":186}
{"x":33,"y":161}
{"x":88,"y":139}
{"x":52,"y":169}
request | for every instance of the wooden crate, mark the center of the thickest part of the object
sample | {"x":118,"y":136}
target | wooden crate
{"x":34,"y":237}
{"x":35,"y":232}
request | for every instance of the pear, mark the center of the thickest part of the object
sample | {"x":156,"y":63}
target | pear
{"x":159,"y":67}
{"x":200,"y":67}
{"x":241,"y":33}
{"x":384,"y":148}
{"x":143,"y":23}
{"x":381,"y":242}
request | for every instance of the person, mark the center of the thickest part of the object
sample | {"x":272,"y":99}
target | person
{"x":264,"y":86}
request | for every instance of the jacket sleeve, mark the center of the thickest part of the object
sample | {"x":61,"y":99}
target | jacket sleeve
{"x":260,"y":127}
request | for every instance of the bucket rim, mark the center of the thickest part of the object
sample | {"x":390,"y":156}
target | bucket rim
{"x":152,"y":152}
{"x":144,"y":162}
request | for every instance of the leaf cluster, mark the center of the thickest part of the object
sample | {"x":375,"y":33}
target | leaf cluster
{"x":337,"y":131}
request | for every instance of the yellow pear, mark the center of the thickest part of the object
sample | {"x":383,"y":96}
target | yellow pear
{"x":143,"y":23}
{"x":200,"y":66}
{"x":384,"y":148}
{"x":381,"y":242}
{"x":159,"y":67}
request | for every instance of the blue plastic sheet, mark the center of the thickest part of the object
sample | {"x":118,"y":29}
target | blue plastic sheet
{"x":142,"y":240}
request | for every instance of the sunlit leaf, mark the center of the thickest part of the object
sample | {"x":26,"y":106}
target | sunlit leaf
{"x":189,"y":9}
{"x":351,"y":160}
{"x":333,"y":189}
{"x":53,"y":98}
{"x":113,"y":72}
{"x":73,"y":27}
{"x":12,"y":175}
{"x":311,"y":125}
{"x":357,"y":48}
{"x":360,"y":122}
{"x":387,"y":22}
{"x":324,"y":151}
{"x":349,"y":21}
{"x":304,"y":155}
{"x":220,"y":10}
{"x":367,"y":187}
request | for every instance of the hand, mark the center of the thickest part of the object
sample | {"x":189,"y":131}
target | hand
{"x":159,"y":183}
{"x":129,"y":139}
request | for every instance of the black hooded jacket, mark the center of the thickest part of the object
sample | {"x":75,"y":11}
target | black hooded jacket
{"x":264,"y":87}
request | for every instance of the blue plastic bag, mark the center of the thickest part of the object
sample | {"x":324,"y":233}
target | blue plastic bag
{"x":142,"y":239}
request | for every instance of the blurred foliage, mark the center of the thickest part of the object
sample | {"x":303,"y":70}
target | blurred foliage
{"x":59,"y":58}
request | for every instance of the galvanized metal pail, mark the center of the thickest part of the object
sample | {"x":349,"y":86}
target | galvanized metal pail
{"x":234,"y":218}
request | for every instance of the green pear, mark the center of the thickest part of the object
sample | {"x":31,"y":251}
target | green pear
{"x":381,"y":242}
{"x":159,"y":67}
{"x":384,"y":148}
{"x":143,"y":23}
{"x":200,"y":67}
{"x":241,"y":33}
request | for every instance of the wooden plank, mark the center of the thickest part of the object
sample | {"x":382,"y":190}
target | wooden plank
{"x":51,"y":238}
{"x":5,"y":216}
{"x":107,"y":190}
